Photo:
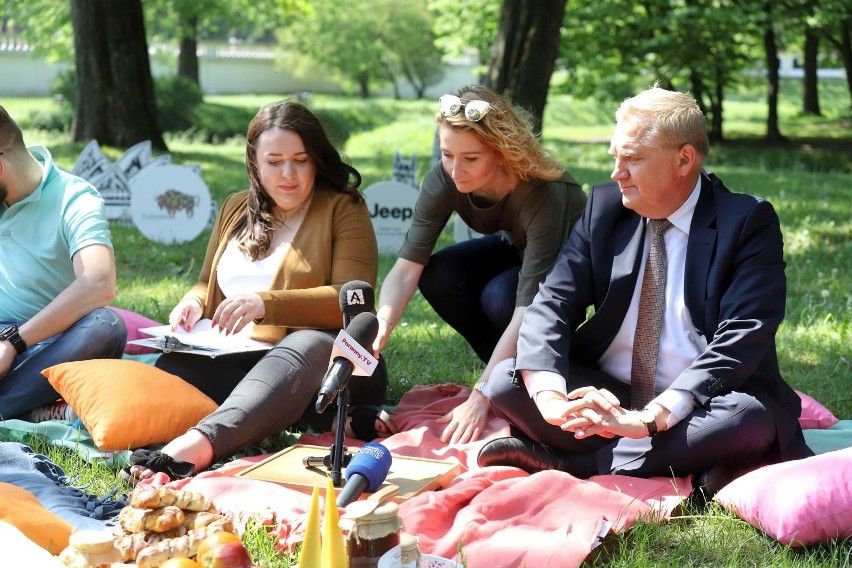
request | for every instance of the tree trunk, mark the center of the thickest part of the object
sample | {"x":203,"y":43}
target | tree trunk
{"x":114,"y":90}
{"x":843,"y":44}
{"x":717,"y":106}
{"x":810,"y":101}
{"x":363,"y":80}
{"x":524,"y":53}
{"x":773,"y":134}
{"x":188,"y":56}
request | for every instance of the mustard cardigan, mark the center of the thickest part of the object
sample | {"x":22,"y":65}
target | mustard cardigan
{"x":334,"y":245}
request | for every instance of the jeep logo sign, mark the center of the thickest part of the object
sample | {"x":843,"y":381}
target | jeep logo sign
{"x":391,"y":206}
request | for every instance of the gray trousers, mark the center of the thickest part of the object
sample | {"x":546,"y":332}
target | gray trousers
{"x":260,"y":394}
{"x":735,"y":429}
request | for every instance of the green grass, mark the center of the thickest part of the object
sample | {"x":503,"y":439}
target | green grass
{"x":807,"y":180}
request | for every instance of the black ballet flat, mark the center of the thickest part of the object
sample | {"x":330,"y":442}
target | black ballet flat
{"x":157,"y":462}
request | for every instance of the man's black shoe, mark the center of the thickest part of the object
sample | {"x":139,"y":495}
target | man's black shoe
{"x":711,"y":481}
{"x":522,"y":453}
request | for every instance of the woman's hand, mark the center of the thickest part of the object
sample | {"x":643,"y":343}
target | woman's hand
{"x":382,"y":337}
{"x":466,"y":422}
{"x":234,"y":313}
{"x":186,"y":314}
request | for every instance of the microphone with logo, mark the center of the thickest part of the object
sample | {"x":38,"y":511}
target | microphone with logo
{"x":366,"y":472}
{"x":355,"y":297}
{"x":363,"y":329}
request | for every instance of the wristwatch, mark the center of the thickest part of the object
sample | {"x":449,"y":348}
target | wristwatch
{"x":479,"y":386}
{"x":649,"y":419}
{"x":10,"y":334}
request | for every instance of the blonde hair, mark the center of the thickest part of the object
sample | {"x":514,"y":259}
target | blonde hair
{"x":507,"y":130}
{"x":672,"y":119}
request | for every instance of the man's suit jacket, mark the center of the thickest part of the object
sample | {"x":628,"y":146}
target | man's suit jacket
{"x":734,"y":291}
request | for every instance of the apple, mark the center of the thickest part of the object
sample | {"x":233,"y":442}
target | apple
{"x":214,"y":540}
{"x":226,"y":555}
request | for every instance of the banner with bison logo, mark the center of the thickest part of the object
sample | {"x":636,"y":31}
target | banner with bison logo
{"x":168,"y":203}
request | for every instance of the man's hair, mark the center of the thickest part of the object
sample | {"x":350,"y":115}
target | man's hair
{"x":672,"y":119}
{"x":507,"y":130}
{"x":11,"y":137}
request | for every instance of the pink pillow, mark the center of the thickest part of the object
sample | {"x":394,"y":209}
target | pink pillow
{"x":133,"y":322}
{"x":814,"y":415}
{"x":798,"y":503}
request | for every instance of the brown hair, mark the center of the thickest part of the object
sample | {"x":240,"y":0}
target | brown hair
{"x":253,"y":231}
{"x":506,"y":129}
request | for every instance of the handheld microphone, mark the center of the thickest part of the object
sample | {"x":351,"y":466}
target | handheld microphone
{"x":366,"y":472}
{"x":355,"y":297}
{"x":363,"y":329}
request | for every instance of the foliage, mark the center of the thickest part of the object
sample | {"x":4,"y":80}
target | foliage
{"x":44,"y":24}
{"x":377,"y":41}
{"x":64,"y":88}
{"x":219,"y":20}
{"x":666,"y":40}
{"x":462,"y":26}
{"x":177,"y":98}
{"x":411,"y":44}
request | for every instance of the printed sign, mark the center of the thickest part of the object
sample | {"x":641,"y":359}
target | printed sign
{"x":169,"y":204}
{"x":171,"y":193}
{"x":391,"y":206}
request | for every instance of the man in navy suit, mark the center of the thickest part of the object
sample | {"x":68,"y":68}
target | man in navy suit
{"x":719,"y":404}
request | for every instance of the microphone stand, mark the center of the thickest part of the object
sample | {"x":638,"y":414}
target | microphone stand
{"x":338,"y":458}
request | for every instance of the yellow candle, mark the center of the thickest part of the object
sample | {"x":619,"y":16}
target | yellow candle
{"x":333,"y":552}
{"x":311,"y":555}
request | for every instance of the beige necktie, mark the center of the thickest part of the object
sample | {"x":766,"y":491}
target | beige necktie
{"x":646,"y":341}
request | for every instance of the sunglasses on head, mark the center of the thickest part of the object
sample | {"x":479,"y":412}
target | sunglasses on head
{"x":451,"y":105}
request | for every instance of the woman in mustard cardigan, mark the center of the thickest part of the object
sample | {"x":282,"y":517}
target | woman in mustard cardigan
{"x":276,"y":260}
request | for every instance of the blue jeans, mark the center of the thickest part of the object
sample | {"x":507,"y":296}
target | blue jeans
{"x":472,"y":285}
{"x":99,"y":335}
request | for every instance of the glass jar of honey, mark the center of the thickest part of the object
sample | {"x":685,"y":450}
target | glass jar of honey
{"x":372,"y":534}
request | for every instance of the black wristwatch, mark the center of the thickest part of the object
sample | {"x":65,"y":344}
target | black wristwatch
{"x":649,"y":419}
{"x":10,"y":334}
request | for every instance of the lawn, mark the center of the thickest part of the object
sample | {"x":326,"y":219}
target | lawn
{"x":807,"y":180}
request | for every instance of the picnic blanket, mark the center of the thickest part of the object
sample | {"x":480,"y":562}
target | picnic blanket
{"x":492,"y":515}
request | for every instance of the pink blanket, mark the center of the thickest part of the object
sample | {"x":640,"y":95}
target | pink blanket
{"x":495,"y":516}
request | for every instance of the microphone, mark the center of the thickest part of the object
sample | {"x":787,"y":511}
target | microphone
{"x":366,"y":472}
{"x":363,"y":330}
{"x":355,"y":297}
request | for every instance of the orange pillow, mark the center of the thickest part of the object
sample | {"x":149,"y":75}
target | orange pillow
{"x":22,"y":509}
{"x":127,"y":404}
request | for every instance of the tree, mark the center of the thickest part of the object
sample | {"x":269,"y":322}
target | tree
{"x":366,"y":42}
{"x":773,"y":133}
{"x":189,"y":21}
{"x":410,"y":40}
{"x":690,"y":45}
{"x":810,"y":99}
{"x":524,"y":52}
{"x":472,"y":26}
{"x":114,"y":88}
{"x":833,"y":19}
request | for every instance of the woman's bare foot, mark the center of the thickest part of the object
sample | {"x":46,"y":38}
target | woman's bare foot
{"x":193,"y":447}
